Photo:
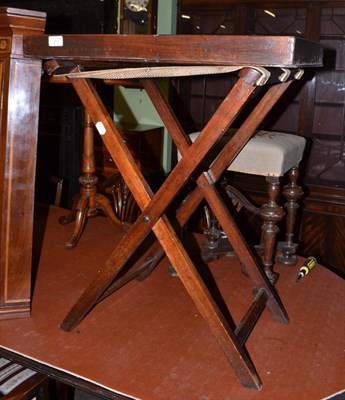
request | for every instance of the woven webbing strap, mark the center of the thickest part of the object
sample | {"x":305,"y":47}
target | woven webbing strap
{"x":154,"y":72}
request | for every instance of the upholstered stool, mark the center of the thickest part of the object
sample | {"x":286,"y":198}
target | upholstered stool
{"x":20,"y":383}
{"x":272,"y":155}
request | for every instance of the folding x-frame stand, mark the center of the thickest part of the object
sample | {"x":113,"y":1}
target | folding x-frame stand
{"x":21,"y":71}
{"x":153,"y":207}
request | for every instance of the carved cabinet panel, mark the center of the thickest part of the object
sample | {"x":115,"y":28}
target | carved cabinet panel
{"x":314,"y":109}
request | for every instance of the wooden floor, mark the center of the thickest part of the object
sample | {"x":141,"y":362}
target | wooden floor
{"x":148,"y":341}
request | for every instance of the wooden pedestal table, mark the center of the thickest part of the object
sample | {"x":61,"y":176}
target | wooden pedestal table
{"x":88,"y":202}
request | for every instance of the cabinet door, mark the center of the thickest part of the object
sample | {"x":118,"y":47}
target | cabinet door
{"x":281,"y":21}
{"x":314,"y":107}
{"x":146,"y":144}
{"x":327,"y":155}
{"x":317,"y":110}
{"x":198,"y":97}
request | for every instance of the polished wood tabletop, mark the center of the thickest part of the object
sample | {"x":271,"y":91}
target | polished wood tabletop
{"x":284,"y":51}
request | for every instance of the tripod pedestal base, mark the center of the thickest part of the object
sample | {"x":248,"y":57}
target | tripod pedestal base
{"x":86,"y":204}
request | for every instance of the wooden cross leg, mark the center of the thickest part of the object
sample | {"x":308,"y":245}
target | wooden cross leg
{"x":88,"y":202}
{"x":153,"y":207}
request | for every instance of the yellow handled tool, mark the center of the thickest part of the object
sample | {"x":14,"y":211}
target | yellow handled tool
{"x":308,"y":264}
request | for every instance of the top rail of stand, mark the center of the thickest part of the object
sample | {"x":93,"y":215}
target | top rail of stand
{"x":266,"y":51}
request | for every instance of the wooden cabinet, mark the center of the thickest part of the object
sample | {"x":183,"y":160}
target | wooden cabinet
{"x":18,"y":139}
{"x":77,"y":16}
{"x":324,"y":225}
{"x":146,"y":142}
{"x":315,"y":108}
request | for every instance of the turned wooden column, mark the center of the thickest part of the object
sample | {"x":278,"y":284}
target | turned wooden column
{"x":271,"y":213}
{"x":19,"y":90}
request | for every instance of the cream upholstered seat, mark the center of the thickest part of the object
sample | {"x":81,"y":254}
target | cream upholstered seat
{"x":267,"y":153}
{"x":272,"y":155}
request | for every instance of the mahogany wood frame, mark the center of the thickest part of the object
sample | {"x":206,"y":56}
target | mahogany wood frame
{"x":88,"y":50}
{"x":18,"y":130}
{"x":154,"y":206}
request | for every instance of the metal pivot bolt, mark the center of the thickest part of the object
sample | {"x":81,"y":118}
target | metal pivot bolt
{"x":146,"y":218}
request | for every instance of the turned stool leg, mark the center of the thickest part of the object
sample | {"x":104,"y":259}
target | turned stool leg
{"x":292,"y":193}
{"x":212,"y":232}
{"x":271,"y":213}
